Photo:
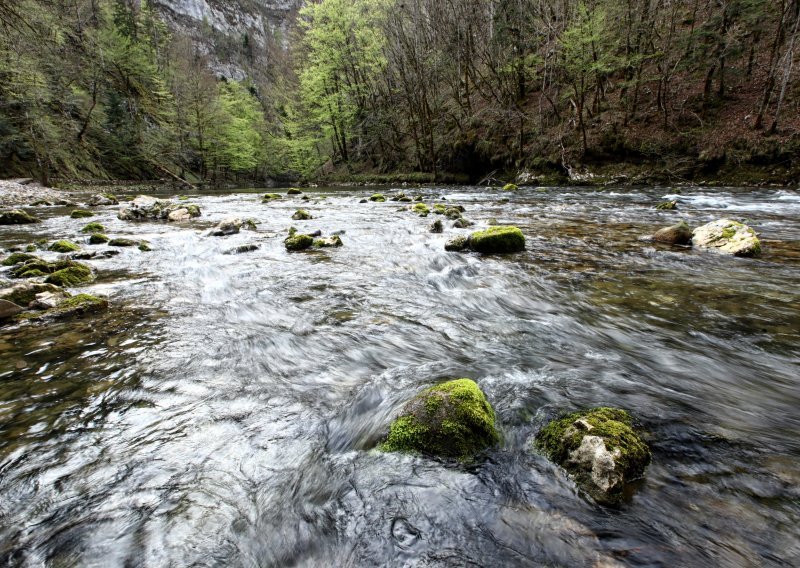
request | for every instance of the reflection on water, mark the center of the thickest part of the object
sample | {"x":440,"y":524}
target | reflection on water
{"x":224,"y":412}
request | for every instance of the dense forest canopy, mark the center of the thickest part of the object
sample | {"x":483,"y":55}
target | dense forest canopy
{"x":103,"y":88}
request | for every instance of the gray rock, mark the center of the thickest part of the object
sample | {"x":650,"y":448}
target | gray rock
{"x":678,"y":234}
{"x":229,"y":226}
{"x":9,"y":310}
{"x":726,"y":236}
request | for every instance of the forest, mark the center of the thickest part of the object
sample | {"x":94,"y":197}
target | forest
{"x":430,"y":90}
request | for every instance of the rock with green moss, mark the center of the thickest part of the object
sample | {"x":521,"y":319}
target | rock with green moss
{"x":419,"y":198}
{"x":462,"y":223}
{"x":144,"y":246}
{"x":379,"y":197}
{"x":510,"y":187}
{"x":93,"y":228}
{"x":452,"y":213}
{"x":17,"y":217}
{"x":301,"y":215}
{"x":98,"y":239}
{"x":72,"y":306}
{"x":145,"y":207}
{"x":677,"y":234}
{"x":63,"y":246}
{"x":457,"y":243}
{"x":599,"y":448}
{"x":293,"y":191}
{"x":103,"y":199}
{"x":81,"y":214}
{"x":332,"y":241}
{"x":667,"y":206}
{"x":439,"y":208}
{"x":451,"y":420}
{"x":404,"y":199}
{"x":229,"y":226}
{"x":18,"y":258}
{"x":436,"y":226}
{"x":75,"y":274}
{"x":122,"y":242}
{"x":24,"y":293}
{"x":270,"y":197}
{"x":727,"y":237}
{"x":298,"y":241}
{"x":497,"y":239}
{"x":421,"y":209}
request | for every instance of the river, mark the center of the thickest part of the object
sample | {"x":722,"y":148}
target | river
{"x":225,"y":410}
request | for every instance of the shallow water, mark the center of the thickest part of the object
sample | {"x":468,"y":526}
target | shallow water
{"x":224,"y":411}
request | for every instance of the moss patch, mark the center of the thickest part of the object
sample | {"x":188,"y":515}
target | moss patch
{"x":93,"y":228}
{"x":301,"y":215}
{"x":73,"y":275}
{"x":98,"y":239}
{"x":298,"y":241}
{"x":510,"y":187}
{"x":18,"y":258}
{"x":122,"y":242}
{"x":81,"y":214}
{"x":379,"y":197}
{"x":17,"y":217}
{"x":452,"y":419}
{"x":63,"y":246}
{"x":497,"y":239}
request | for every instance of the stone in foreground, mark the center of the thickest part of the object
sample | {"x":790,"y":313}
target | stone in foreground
{"x":17,"y":217}
{"x":677,"y":234}
{"x":727,"y":237}
{"x":498,"y":239}
{"x":598,"y":448}
{"x":452,"y":420}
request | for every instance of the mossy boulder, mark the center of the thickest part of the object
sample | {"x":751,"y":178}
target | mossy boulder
{"x":144,"y":246}
{"x":452,"y":213}
{"x":677,"y":234}
{"x":298,"y":241}
{"x":75,"y":274}
{"x":462,"y":223}
{"x":17,"y":217}
{"x":269,"y":197}
{"x":301,"y":215}
{"x":72,"y":306}
{"x":81,"y":214}
{"x":421,"y":209}
{"x":667,"y":206}
{"x":439,"y":208}
{"x":103,"y":199}
{"x":98,"y":239}
{"x":451,"y":420}
{"x":727,"y":237}
{"x":497,"y":239}
{"x":24,"y":293}
{"x":18,"y":258}
{"x":93,"y":228}
{"x":63,"y":246}
{"x":122,"y":242}
{"x":510,"y":187}
{"x":436,"y":226}
{"x":293,"y":191}
{"x":599,"y":448}
{"x":379,"y":197}
{"x":332,"y":241}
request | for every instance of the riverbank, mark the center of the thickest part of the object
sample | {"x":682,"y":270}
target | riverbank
{"x":23,"y":192}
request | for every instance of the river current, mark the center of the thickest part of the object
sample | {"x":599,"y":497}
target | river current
{"x":225,"y":410}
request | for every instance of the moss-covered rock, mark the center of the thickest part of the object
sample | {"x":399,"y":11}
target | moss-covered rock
{"x":122,"y":242}
{"x":17,"y":217}
{"x":404,"y":199}
{"x":63,"y":246}
{"x":510,"y":187}
{"x":439,"y":208}
{"x":98,"y":239}
{"x":457,"y":243}
{"x":145,"y":207}
{"x":436,"y":226}
{"x":24,"y":293}
{"x":462,"y":223}
{"x":667,"y":206}
{"x":301,"y":215}
{"x":419,"y":198}
{"x":103,"y":199}
{"x":93,"y":228}
{"x":76,"y":274}
{"x":452,"y":420}
{"x":452,"y":213}
{"x":293,"y":191}
{"x":73,"y":306}
{"x":18,"y":258}
{"x":81,"y":214}
{"x":298,"y":241}
{"x":421,"y":209}
{"x":727,"y":237}
{"x":144,"y":246}
{"x":332,"y":241}
{"x":497,"y":239}
{"x":269,"y":197}
{"x":677,"y":234}
{"x":599,"y":448}
{"x":379,"y":197}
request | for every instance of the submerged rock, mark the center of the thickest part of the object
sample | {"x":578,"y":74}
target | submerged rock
{"x":293,"y":191}
{"x":60,"y":273}
{"x":379,"y":197}
{"x":421,"y":209}
{"x":599,"y":448}
{"x":242,"y":249}
{"x":298,"y":241}
{"x":497,"y":239}
{"x":98,"y":239}
{"x":93,"y":228}
{"x":727,"y":237}
{"x":452,"y":420}
{"x":103,"y":199}
{"x":17,"y":217}
{"x":145,"y":207}
{"x":269,"y":197}
{"x":436,"y":226}
{"x":667,"y":206}
{"x":333,"y":241}
{"x":510,"y":187}
{"x":677,"y":234}
{"x":301,"y":215}
{"x":63,"y":246}
{"x":92,"y":254}
{"x":462,"y":223}
{"x":81,"y":214}
{"x":122,"y":242}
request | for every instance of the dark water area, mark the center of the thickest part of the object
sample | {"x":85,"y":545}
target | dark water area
{"x":225,"y":410}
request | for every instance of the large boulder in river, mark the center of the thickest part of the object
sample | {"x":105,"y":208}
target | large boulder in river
{"x":497,"y":239}
{"x":677,"y":234}
{"x":452,"y":420}
{"x":103,"y":199}
{"x":727,"y":237}
{"x":229,"y":226}
{"x":145,"y":207}
{"x":17,"y":217}
{"x":598,"y":448}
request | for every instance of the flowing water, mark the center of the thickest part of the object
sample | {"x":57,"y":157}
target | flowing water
{"x":225,"y":410}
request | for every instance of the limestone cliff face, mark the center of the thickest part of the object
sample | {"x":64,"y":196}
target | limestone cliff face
{"x":239,"y":36}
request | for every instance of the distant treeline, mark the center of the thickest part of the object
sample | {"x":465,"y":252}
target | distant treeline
{"x":99,"y":88}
